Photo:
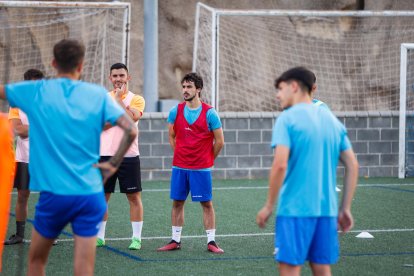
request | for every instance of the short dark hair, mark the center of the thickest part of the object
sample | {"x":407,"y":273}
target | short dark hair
{"x":118,"y":66}
{"x":68,"y":53}
{"x":33,"y":74}
{"x":302,"y":75}
{"x":193,"y":77}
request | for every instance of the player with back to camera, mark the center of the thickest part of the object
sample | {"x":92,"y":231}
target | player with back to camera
{"x":66,"y":118}
{"x":308,"y":142}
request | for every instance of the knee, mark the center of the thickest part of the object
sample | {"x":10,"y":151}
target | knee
{"x":207,"y":206}
{"x":23,"y":196}
{"x":134,"y":199}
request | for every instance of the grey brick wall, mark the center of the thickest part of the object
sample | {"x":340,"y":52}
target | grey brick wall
{"x":247,"y":152}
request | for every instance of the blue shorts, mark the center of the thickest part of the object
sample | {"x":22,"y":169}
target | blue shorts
{"x":54,"y":212}
{"x":314,"y":239}
{"x":198,"y":182}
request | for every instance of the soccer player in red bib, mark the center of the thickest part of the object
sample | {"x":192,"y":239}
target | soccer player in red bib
{"x":196,"y":137}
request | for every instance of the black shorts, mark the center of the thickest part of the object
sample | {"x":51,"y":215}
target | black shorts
{"x":22,"y":177}
{"x":128,"y":175}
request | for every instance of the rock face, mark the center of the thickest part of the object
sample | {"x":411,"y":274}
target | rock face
{"x":176,"y":33}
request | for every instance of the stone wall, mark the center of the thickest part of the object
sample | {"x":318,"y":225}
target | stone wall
{"x":247,"y":153}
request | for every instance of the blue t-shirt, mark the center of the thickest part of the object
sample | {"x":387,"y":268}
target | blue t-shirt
{"x":315,"y":138}
{"x":66,"y":120}
{"x":191,"y":115}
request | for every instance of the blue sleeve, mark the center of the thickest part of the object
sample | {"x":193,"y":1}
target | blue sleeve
{"x":112,"y":111}
{"x":213,"y":119}
{"x":280,"y":134}
{"x":23,"y":94}
{"x":345,"y":143}
{"x":172,"y":115}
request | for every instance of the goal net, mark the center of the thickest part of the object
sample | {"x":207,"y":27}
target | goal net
{"x":354,"y":54}
{"x":29,"y":30}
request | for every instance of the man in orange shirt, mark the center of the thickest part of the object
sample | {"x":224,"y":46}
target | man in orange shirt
{"x":20,"y":125}
{"x":6,"y":176}
{"x":129,"y":173}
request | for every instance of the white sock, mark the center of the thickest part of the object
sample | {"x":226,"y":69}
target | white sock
{"x":101,"y":232}
{"x":137,"y":229}
{"x":176,"y":233}
{"x":211,"y":235}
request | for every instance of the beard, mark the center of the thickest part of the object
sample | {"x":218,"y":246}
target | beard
{"x":189,"y":99}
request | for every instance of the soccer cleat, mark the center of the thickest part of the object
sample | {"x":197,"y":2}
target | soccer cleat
{"x":14,"y":239}
{"x":100,"y":242}
{"x":172,"y":245}
{"x":135,"y":244}
{"x":213,"y":247}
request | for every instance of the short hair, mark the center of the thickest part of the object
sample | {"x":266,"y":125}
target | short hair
{"x":33,"y":74}
{"x":68,"y":53}
{"x":118,"y":66}
{"x":302,"y":75}
{"x":193,"y":77}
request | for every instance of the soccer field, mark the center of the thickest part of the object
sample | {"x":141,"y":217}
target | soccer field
{"x":382,"y":206}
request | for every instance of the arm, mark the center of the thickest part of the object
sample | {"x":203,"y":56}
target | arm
{"x":218,"y":141}
{"x":276,"y":177}
{"x":2,"y":92}
{"x":130,"y":133}
{"x":19,"y":128}
{"x":345,"y":219}
{"x":171,"y":136}
{"x":133,"y":113}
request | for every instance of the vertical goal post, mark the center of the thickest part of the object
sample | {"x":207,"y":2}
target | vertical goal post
{"x":29,"y":29}
{"x":405,"y":48}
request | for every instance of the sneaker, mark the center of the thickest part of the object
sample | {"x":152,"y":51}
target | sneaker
{"x":55,"y":242}
{"x":14,"y":239}
{"x":135,"y":244}
{"x":213,"y":247}
{"x":172,"y":245}
{"x":100,"y":242}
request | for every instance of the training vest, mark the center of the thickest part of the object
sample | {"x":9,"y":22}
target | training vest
{"x":193,"y":143}
{"x":111,"y":138}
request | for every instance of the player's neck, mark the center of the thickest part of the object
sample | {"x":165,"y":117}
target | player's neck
{"x":72,"y":75}
{"x":304,"y":98}
{"x":194,"y":103}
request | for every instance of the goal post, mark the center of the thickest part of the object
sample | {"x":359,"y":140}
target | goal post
{"x":29,"y":30}
{"x":406,"y":120}
{"x":354,"y":54}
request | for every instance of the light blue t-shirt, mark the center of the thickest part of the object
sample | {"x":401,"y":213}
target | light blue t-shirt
{"x":66,"y":120}
{"x":315,"y":138}
{"x":191,"y":115}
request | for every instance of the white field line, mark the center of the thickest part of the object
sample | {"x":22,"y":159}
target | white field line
{"x":246,"y":235}
{"x":265,"y":187}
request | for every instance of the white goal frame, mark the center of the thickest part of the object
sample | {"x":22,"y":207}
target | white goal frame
{"x":405,"y":47}
{"x":83,"y":5}
{"x":215,"y":30}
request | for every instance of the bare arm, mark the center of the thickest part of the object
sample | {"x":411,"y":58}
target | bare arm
{"x":345,"y":219}
{"x":276,"y":177}
{"x":218,"y":141}
{"x":19,"y":128}
{"x":133,"y":113}
{"x":130,"y":133}
{"x":2,"y":92}
{"x":171,"y":136}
